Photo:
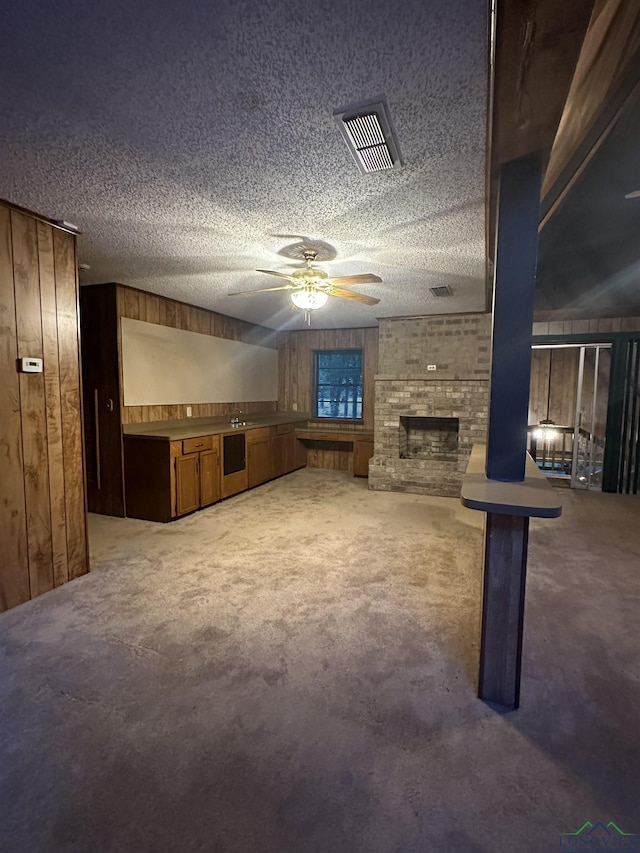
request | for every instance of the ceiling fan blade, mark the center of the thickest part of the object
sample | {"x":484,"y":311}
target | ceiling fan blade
{"x":273,"y":272}
{"x":262,"y":290}
{"x":347,"y":280}
{"x":347,"y":294}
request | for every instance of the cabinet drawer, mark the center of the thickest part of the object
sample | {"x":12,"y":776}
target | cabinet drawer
{"x":193,"y":445}
{"x":284,"y":429}
{"x":262,"y":434}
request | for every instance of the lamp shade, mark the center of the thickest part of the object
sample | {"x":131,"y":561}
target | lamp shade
{"x":309,"y":300}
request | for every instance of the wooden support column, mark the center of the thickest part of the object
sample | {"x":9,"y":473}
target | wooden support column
{"x":505,"y":566}
{"x":513,"y":295}
{"x":506,"y":535}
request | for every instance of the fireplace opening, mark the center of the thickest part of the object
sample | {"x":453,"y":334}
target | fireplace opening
{"x":429,"y":438}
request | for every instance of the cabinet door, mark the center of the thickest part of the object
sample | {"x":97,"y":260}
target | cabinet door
{"x":209,"y":476}
{"x":187,"y":483}
{"x":278,"y":455}
{"x":289,"y":452}
{"x":259,"y":461}
{"x":300,"y":454}
{"x":362,"y":453}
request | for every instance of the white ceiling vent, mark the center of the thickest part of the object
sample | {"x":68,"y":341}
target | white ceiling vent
{"x":441,"y":290}
{"x":368,"y":132}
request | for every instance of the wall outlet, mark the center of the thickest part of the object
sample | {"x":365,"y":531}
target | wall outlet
{"x":431,"y":367}
{"x":189,"y":411}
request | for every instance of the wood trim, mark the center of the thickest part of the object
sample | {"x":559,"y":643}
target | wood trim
{"x":53,"y":404}
{"x":68,"y":342}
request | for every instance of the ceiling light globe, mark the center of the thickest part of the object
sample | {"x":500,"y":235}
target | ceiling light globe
{"x":309,"y":300}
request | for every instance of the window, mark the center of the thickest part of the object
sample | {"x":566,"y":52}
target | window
{"x":338,"y":378}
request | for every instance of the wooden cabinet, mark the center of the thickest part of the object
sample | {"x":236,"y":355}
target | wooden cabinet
{"x":164,"y":480}
{"x":187,"y":483}
{"x":210,"y":490}
{"x":167,"y":479}
{"x":362,"y":453}
{"x":259,"y":456}
{"x":197,"y":479}
{"x":289,"y":453}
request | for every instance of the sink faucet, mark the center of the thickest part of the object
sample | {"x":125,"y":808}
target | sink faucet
{"x":234,"y":419}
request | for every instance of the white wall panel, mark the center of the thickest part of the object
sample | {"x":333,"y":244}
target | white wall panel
{"x":166,"y":366}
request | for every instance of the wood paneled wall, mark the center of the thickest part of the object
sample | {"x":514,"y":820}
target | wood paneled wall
{"x":139,"y":305}
{"x":295,"y":385}
{"x":43,"y":539}
{"x":554,"y":378}
{"x":295,"y":367}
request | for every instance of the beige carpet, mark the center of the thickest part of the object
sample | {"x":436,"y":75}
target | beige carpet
{"x":295,"y":670}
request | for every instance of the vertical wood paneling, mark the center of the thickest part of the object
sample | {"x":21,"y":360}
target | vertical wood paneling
{"x":42,"y":516}
{"x":67,"y":305}
{"x":53,"y":404}
{"x":295,"y":366}
{"x":554,"y":382}
{"x":32,"y":397}
{"x":14,"y":561}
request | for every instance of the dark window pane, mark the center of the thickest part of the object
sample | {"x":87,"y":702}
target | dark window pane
{"x":338,"y":375}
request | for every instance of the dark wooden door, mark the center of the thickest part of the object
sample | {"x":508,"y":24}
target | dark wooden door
{"x":209,"y":476}
{"x":101,"y":393}
{"x":188,"y":482}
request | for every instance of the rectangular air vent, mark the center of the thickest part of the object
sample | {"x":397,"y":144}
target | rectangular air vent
{"x":369,"y":135}
{"x":441,"y":290}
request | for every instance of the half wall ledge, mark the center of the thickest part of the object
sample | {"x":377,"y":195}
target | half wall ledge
{"x":533,"y":497}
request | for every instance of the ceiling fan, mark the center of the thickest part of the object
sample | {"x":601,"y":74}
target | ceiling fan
{"x":311,"y":287}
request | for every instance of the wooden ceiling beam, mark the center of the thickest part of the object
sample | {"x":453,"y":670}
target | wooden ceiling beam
{"x":536,"y":46}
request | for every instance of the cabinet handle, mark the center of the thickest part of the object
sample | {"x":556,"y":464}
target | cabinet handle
{"x":200,"y":445}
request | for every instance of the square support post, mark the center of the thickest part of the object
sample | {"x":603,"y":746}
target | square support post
{"x":513,"y":296}
{"x":506,"y":536}
{"x":505,"y":566}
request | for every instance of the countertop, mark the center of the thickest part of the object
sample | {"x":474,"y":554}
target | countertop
{"x":196,"y":427}
{"x":533,"y":497}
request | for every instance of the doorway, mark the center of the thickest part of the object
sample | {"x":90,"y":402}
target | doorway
{"x":568,"y":411}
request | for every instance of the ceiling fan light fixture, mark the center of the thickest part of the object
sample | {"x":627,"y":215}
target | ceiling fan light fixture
{"x":309,"y":300}
{"x":368,"y":132}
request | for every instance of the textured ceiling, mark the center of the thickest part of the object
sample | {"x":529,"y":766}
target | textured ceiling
{"x":193,"y":143}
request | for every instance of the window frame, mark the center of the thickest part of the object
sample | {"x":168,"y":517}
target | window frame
{"x":314,"y":366}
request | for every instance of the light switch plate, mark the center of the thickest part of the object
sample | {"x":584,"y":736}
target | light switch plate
{"x":189,"y":411}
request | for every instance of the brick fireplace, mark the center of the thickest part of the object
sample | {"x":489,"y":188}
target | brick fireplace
{"x":426,"y":421}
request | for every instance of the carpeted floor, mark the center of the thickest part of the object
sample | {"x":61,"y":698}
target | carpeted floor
{"x":295,"y":670}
